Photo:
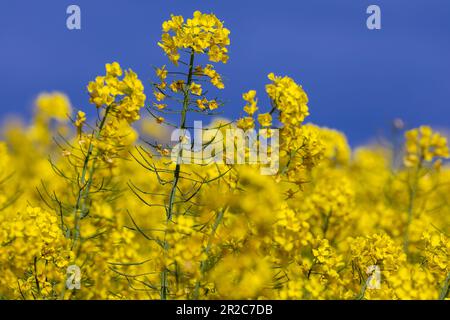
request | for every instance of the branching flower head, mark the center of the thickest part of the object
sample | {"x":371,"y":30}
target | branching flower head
{"x":204,"y":33}
{"x":289,"y":98}
{"x":125,"y":97}
{"x":377,"y":249}
{"x":423,"y":144}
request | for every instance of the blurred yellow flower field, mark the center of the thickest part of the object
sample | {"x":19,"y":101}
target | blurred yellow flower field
{"x":102,"y":193}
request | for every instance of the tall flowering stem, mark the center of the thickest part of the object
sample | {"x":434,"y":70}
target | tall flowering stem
{"x":422,"y":147}
{"x":176,"y":175}
{"x":86,"y":180}
{"x":96,"y":151}
{"x":203,"y":34}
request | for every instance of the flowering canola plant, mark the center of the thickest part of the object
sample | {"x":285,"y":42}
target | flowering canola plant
{"x":102,"y":194}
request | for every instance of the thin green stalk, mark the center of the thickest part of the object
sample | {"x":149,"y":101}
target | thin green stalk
{"x":164,"y":288}
{"x":208,"y":248}
{"x":362,"y":293}
{"x":85,"y":185}
{"x":412,"y":196}
{"x":445,"y":287}
{"x":164,"y":284}
{"x":85,"y":189}
{"x":176,"y":175}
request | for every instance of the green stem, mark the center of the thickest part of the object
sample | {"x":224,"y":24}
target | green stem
{"x":85,"y":189}
{"x":362,"y":293}
{"x":176,"y":175}
{"x":84,"y":192}
{"x":208,"y":248}
{"x":412,"y":196}
{"x":445,"y":288}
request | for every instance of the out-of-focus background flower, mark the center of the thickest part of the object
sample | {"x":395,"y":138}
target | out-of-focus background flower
{"x":357,"y":80}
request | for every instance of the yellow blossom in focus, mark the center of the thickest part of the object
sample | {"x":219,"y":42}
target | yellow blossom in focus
{"x":202,"y":33}
{"x":245,"y":123}
{"x":212,"y":105}
{"x":159,"y":95}
{"x":250,"y":97}
{"x":161,"y":73}
{"x":265,"y":119}
{"x":196,"y":89}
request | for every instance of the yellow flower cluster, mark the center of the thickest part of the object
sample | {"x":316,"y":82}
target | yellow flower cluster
{"x":35,"y":249}
{"x":377,"y":249}
{"x":216,"y":78}
{"x":286,"y":96}
{"x":183,"y":234}
{"x":251,"y":106}
{"x":326,"y":259}
{"x":202,"y":33}
{"x":300,"y":145}
{"x":125,"y":97}
{"x":437,"y":252}
{"x":411,"y":283}
{"x":331,"y":202}
{"x":289,"y":98}
{"x":290,"y":231}
{"x":121,"y":100}
{"x":423,"y":144}
{"x":51,"y":108}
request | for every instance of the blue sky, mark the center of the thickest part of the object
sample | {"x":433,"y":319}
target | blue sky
{"x":357,"y":80}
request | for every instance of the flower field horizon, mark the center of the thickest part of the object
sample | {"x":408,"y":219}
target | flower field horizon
{"x":102,"y":202}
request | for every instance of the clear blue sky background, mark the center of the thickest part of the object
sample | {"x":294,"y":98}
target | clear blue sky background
{"x":357,"y":80}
